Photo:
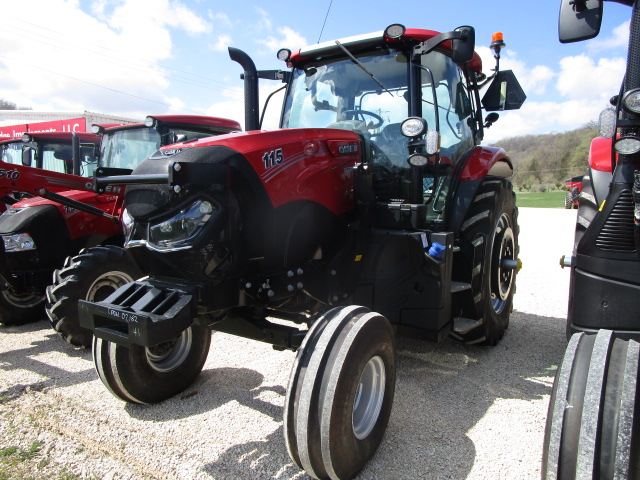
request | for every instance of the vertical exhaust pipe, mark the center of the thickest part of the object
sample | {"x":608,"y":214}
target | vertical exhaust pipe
{"x":75,"y":153}
{"x":251,"y":114}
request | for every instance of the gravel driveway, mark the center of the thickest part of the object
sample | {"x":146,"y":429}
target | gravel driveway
{"x":460,"y":412}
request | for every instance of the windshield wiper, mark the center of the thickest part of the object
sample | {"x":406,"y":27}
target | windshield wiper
{"x":361,"y":65}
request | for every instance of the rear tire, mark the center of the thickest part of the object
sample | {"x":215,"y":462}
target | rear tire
{"x":340,"y":393}
{"x":489,"y":238}
{"x":593,"y":424}
{"x":92,"y":275}
{"x":20,"y":308}
{"x":587,"y":207}
{"x":568,"y":201}
{"x":152,"y":374}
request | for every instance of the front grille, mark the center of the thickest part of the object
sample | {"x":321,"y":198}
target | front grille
{"x":617,"y":232}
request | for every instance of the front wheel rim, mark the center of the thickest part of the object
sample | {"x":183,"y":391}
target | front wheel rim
{"x":106,"y":284}
{"x":369,"y":397}
{"x":169,"y":355}
{"x":502,"y":277}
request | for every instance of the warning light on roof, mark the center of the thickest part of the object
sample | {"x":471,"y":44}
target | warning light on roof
{"x":497,"y":41}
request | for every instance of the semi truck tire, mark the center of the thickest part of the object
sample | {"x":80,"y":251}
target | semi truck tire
{"x":489,"y":238}
{"x":593,"y":423}
{"x":152,"y":374}
{"x":340,"y":393}
{"x":93,"y":275}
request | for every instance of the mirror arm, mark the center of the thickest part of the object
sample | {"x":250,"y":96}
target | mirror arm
{"x":432,"y":43}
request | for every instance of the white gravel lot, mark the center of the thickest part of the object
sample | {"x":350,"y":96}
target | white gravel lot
{"x":460,"y":412}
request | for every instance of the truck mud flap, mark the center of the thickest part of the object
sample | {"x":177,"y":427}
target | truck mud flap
{"x":139,"y":314}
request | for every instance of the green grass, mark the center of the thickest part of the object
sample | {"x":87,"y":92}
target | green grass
{"x":553,"y":199}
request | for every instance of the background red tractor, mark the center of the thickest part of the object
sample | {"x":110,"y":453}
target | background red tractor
{"x":52,"y":226}
{"x":593,"y":425}
{"x":573,"y":186}
{"x":372,"y":210}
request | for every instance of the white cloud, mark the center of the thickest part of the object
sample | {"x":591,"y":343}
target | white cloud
{"x":222,"y":42}
{"x":583,"y":77}
{"x":61,"y":58}
{"x":233,"y":107}
{"x":288,"y":38}
{"x":619,"y":38}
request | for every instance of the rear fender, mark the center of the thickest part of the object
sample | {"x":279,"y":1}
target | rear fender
{"x":479,"y":163}
{"x":600,"y":167}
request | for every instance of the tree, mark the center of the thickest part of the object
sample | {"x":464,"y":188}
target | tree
{"x":7,"y":105}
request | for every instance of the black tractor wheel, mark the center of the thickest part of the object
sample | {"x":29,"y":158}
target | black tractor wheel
{"x":20,"y":308}
{"x":489,"y":239}
{"x":152,"y":374}
{"x":593,"y":424}
{"x":340,"y":393}
{"x":568,"y":201}
{"x":93,"y":275}
{"x":587,"y":207}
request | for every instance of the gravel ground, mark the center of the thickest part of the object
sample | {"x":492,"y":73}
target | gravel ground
{"x":460,"y":412}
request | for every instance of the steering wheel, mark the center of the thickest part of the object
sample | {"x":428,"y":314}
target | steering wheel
{"x":378,"y":118}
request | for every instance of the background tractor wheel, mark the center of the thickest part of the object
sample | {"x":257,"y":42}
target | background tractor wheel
{"x":340,"y":393}
{"x":152,"y":374}
{"x":587,"y":207}
{"x":593,"y":424}
{"x":568,"y":201}
{"x":20,"y":308}
{"x":489,"y":238}
{"x":92,"y":275}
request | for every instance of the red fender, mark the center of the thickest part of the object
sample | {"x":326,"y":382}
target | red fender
{"x":600,"y":154}
{"x":484,"y":161}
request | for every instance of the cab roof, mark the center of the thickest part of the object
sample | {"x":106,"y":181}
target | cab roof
{"x":371,"y":40}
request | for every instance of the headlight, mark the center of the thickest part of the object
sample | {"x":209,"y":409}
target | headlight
{"x":631,"y":101}
{"x":18,"y":242}
{"x":413,"y":127}
{"x":127,"y":223}
{"x":179,"y":230}
{"x":627,"y":145}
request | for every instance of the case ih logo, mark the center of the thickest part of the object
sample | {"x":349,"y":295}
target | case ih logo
{"x":346,"y":149}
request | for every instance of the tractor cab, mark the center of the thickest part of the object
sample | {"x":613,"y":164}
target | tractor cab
{"x":412,"y":97}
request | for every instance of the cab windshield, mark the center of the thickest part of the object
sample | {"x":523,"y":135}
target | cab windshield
{"x":127,"y":148}
{"x":341,"y":94}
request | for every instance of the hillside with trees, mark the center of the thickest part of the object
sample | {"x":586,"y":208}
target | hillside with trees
{"x":543,"y":162}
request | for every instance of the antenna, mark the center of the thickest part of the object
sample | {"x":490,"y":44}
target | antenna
{"x":325,"y":21}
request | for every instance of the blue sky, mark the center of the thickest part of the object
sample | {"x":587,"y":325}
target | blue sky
{"x":139,"y":57}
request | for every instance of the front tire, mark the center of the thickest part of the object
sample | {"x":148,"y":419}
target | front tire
{"x":152,"y":374}
{"x":489,"y":238}
{"x":340,"y":393}
{"x":593,"y":424}
{"x":20,"y":308}
{"x":92,"y":275}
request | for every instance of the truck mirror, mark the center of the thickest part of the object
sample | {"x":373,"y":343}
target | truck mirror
{"x":462,"y":48}
{"x":504,"y":93}
{"x":26,"y":156}
{"x":579,"y":20}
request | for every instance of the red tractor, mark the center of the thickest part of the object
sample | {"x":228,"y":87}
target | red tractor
{"x":67,"y":215}
{"x":45,"y":160}
{"x":573,"y":186}
{"x":372,"y":210}
{"x":593,"y":425}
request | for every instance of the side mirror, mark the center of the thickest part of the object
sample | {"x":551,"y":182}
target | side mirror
{"x":504,"y":93}
{"x":26,"y":156}
{"x":579,"y":20}
{"x":462,"y":48}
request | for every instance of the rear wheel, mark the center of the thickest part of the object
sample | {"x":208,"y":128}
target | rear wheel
{"x":593,"y":424}
{"x":20,"y":308}
{"x":340,"y":393}
{"x":92,"y":275}
{"x":489,"y":237}
{"x":587,"y":207}
{"x":152,"y":374}
{"x":568,"y":201}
